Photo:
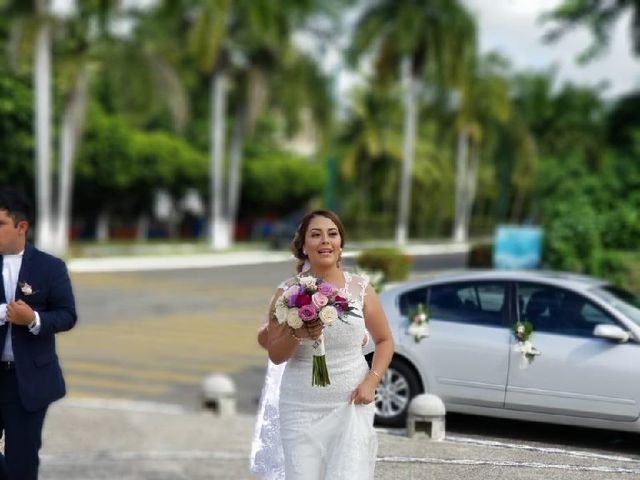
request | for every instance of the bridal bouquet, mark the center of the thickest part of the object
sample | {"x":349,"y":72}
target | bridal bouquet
{"x":306,"y":300}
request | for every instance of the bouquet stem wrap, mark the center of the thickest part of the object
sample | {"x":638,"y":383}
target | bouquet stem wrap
{"x":319,"y":372}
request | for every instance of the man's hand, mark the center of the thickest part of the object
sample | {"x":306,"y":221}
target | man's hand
{"x":19,"y":313}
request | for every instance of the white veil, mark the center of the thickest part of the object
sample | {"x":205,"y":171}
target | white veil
{"x":267,"y":458}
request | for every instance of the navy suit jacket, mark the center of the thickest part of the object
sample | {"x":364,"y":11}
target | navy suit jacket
{"x":38,"y":371}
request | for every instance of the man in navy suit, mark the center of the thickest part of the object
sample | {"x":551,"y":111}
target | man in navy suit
{"x":36,"y":302}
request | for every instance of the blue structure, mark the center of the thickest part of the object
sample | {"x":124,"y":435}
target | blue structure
{"x":517,"y":248}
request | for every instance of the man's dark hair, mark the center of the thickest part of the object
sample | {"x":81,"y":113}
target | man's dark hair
{"x":16,"y":204}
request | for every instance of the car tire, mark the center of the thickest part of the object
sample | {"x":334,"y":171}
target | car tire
{"x":398,"y":386}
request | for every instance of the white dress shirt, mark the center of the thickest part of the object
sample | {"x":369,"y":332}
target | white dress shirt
{"x":10,"y":270}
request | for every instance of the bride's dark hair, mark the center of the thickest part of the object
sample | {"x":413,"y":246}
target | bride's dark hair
{"x":297,"y":243}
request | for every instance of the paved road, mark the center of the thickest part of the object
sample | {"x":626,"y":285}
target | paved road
{"x":154,"y":335}
{"x":85,"y":441}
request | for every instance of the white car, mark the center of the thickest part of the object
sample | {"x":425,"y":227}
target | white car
{"x":580,"y":366}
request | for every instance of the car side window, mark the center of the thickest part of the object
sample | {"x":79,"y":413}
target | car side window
{"x":478,"y":303}
{"x":408,"y":302}
{"x":556,"y":310}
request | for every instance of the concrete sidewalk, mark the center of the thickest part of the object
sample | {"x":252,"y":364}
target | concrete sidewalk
{"x":168,"y":261}
{"x":91,"y":440}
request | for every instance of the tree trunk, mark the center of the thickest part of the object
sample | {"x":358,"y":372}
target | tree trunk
{"x":470,"y":187}
{"x":70,"y":135}
{"x":102,"y":226}
{"x":142,"y":227}
{"x":42,"y":82}
{"x":235,"y":169}
{"x":459,"y":234}
{"x":218,"y":224}
{"x":410,"y":120}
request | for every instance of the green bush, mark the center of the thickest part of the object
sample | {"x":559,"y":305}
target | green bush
{"x":631,"y":278}
{"x":394,"y":264}
{"x":572,"y":239}
{"x":616,"y":266}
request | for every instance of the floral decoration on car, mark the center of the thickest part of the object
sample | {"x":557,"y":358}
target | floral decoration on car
{"x":418,"y":322}
{"x":523,"y":331}
{"x":26,"y":289}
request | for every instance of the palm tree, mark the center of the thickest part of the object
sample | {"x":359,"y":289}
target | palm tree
{"x":413,"y":36}
{"x":43,"y":109}
{"x":242,"y":40}
{"x":484,"y":105}
{"x":599,"y":16}
{"x":84,"y":44}
{"x":371,"y":145}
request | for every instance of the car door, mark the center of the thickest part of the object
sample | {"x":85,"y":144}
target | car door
{"x":576,"y":373}
{"x":467,"y":350}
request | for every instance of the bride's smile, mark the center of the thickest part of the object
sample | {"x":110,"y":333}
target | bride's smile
{"x":323,"y":242}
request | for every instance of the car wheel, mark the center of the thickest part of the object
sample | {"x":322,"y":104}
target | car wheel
{"x":397,"y":387}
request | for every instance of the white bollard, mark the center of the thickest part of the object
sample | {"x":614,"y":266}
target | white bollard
{"x":219,"y":394}
{"x":427,"y":409}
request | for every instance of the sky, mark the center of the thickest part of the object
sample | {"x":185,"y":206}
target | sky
{"x":512,"y":27}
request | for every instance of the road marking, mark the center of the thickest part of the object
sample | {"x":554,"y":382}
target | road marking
{"x":155,"y":356}
{"x":119,"y":456}
{"x":122,"y":405}
{"x":549,"y":450}
{"x":508,"y":463}
{"x":141,"y":374}
{"x":74,"y":380}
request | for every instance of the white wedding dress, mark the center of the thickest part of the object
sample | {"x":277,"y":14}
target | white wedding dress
{"x":323,"y":436}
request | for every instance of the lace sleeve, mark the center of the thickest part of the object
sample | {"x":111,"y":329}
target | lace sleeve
{"x":363,"y":283}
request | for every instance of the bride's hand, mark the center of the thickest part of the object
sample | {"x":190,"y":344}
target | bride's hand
{"x":315,"y":329}
{"x":365,"y":393}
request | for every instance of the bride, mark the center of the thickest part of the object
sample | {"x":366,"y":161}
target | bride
{"x":327,"y":431}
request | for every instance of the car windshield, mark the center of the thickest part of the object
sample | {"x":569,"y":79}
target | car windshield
{"x":627,"y":302}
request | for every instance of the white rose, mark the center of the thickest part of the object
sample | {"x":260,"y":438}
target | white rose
{"x":293,"y":319}
{"x":328,"y":315}
{"x":309,"y":283}
{"x":281,"y":312}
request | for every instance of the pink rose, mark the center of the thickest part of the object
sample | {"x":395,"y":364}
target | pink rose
{"x":308,"y":313}
{"x":327,"y":289}
{"x":302,"y":300}
{"x":319,"y":300}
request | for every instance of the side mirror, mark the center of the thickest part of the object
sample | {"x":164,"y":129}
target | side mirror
{"x":611,"y":332}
